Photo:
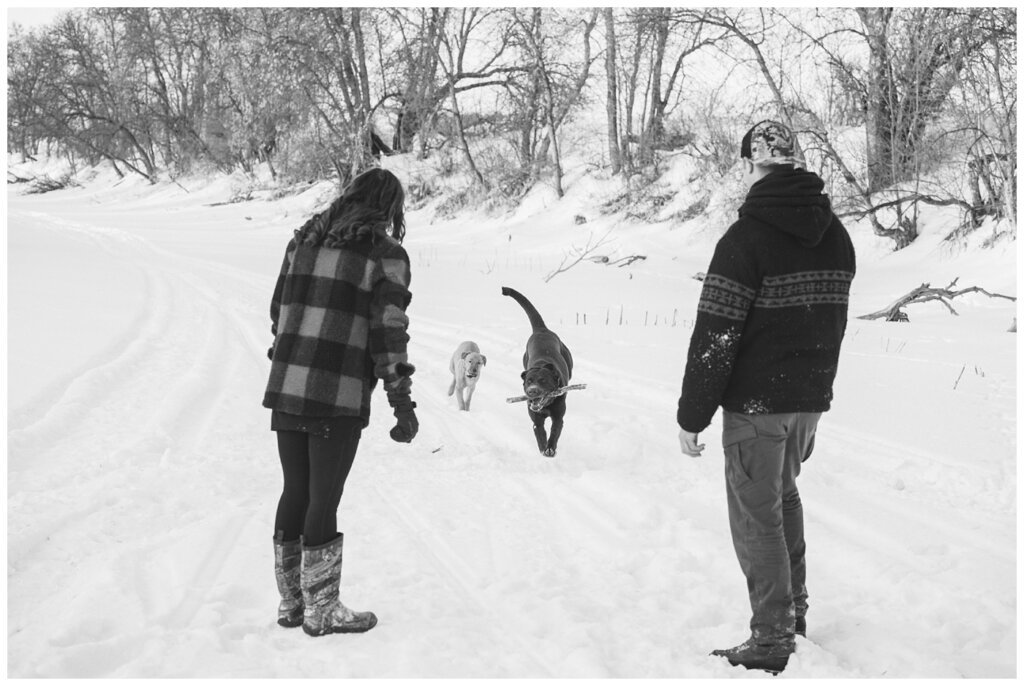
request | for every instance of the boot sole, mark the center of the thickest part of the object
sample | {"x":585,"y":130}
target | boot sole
{"x":289,"y":623}
{"x":337,"y":630}
{"x":773,"y":665}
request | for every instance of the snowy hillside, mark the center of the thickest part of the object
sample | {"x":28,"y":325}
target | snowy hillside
{"x":142,"y":476}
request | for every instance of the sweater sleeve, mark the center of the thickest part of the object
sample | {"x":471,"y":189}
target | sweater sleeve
{"x":725,"y":301}
{"x":389,"y":323}
{"x":275,"y":301}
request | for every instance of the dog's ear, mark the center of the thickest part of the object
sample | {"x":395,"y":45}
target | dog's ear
{"x":464,"y":353}
{"x":484,"y":358}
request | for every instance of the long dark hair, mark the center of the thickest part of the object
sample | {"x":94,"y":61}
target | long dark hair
{"x":373,"y":203}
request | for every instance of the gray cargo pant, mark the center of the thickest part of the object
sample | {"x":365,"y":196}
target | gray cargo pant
{"x":763,"y":454}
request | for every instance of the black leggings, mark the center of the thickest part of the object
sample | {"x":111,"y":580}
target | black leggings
{"x":315,"y":470}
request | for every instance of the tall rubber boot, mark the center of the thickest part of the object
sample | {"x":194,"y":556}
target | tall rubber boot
{"x":321,"y":580}
{"x":287,"y":564}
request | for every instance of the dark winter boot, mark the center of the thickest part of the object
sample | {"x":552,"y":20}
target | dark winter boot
{"x":321,"y":579}
{"x":801,"y":626}
{"x":287,"y":561}
{"x":769,"y":655}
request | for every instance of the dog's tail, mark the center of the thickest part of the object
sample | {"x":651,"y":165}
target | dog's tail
{"x":536,"y":321}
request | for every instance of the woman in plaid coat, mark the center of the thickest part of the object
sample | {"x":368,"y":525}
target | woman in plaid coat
{"x":339,"y":324}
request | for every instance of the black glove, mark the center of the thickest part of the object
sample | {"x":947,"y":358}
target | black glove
{"x":270,"y":353}
{"x":406,"y":425}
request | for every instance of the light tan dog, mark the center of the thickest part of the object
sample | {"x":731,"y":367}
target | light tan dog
{"x":466,"y":366}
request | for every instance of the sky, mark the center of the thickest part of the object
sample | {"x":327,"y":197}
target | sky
{"x":32,"y":16}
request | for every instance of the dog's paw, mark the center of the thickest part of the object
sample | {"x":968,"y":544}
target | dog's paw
{"x":549,"y":452}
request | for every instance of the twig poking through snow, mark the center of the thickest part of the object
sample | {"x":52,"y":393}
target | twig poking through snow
{"x":957,"y":382}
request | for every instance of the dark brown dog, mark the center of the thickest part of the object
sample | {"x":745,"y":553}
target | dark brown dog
{"x":548,"y":365}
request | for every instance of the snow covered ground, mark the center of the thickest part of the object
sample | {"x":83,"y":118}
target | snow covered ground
{"x":142,"y":476}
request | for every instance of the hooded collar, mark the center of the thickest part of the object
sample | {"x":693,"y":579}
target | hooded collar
{"x":791,"y":201}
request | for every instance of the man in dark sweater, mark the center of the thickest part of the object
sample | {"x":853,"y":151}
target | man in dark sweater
{"x":765,"y":347}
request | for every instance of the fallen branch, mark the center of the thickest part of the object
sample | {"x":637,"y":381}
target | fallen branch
{"x":925,"y":293}
{"x":626,"y":261}
{"x":911,"y":198}
{"x":581,"y":254}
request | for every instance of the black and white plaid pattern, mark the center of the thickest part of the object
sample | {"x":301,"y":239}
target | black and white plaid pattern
{"x":340,"y":324}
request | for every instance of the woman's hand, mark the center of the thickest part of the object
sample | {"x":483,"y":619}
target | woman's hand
{"x":406,"y":426}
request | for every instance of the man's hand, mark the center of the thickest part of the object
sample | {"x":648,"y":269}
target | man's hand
{"x":688,"y":444}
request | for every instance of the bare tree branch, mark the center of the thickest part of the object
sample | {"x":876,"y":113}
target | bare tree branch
{"x":925,"y":293}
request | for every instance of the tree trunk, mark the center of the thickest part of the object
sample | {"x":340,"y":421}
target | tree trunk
{"x":879,"y":97}
{"x":450,"y":68}
{"x":612,"y":99}
{"x":419,"y":100}
{"x":557,"y":109}
{"x":655,"y":121}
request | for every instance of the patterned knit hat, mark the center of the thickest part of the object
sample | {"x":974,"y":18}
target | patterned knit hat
{"x":769,"y":143}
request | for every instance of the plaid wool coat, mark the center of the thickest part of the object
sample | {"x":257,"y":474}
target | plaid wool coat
{"x":339,"y":324}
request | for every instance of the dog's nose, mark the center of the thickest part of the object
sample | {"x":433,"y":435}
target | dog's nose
{"x":533,"y":391}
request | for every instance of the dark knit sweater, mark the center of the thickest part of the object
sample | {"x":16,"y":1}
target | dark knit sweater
{"x":339,"y":323}
{"x":773,"y":308}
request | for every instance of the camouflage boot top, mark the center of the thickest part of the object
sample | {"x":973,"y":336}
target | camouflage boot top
{"x":321,"y":579}
{"x":287,"y":564}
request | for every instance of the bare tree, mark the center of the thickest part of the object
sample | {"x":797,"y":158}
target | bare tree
{"x":986,"y":106}
{"x":915,"y":57}
{"x":454,"y":44}
{"x":421,"y":31}
{"x":612,"y":97}
{"x":254,"y":105}
{"x":302,"y":90}
{"x":174,"y":45}
{"x":752,"y":29}
{"x":560,"y":84}
{"x":25,"y":79}
{"x":329,"y":58}
{"x":87,"y":101}
{"x":662,"y":40}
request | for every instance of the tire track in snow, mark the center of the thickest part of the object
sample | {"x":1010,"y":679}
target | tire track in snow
{"x":178,"y":415}
{"x":445,"y":560}
{"x":94,"y":384}
{"x":120,"y":424}
{"x":166,"y":309}
{"x":201,"y":583}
